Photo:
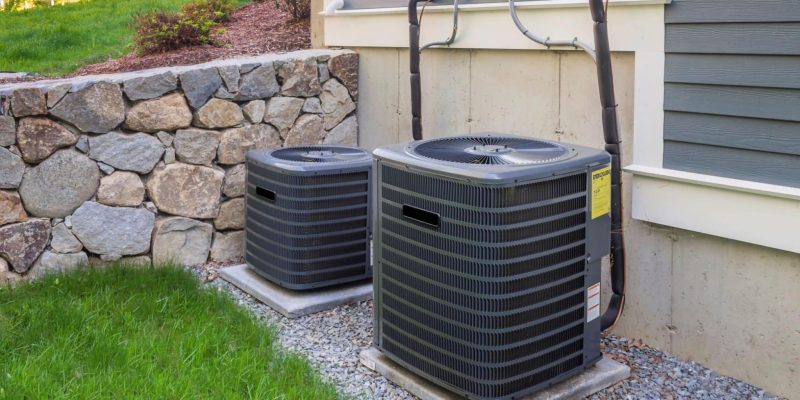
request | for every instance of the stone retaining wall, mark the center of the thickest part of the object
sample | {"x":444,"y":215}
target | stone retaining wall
{"x":148,"y":166}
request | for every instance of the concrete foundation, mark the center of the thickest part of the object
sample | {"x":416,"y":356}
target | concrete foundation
{"x":602,"y":375}
{"x":291,"y":303}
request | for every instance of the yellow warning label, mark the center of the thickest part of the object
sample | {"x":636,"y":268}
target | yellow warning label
{"x":601,"y":192}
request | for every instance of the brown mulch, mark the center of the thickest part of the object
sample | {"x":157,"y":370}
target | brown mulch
{"x":254,"y":29}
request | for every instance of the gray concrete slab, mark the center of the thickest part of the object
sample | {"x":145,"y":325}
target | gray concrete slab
{"x":292,"y":303}
{"x":602,"y":375}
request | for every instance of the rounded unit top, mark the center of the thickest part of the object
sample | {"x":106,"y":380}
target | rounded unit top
{"x":312,"y":157}
{"x":491,"y":149}
{"x":492,"y":158}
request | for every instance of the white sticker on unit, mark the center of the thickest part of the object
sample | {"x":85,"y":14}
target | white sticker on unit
{"x":592,"y":302}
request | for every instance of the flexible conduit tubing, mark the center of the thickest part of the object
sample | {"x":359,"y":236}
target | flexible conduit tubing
{"x":452,"y":37}
{"x":605,"y":79}
{"x":413,"y":52}
{"x":546,"y":40}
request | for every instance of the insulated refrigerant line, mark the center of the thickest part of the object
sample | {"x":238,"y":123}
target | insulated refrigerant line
{"x":414,"y":51}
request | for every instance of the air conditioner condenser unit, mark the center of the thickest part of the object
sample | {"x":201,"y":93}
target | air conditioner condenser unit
{"x":308,"y":210}
{"x":487,"y":260}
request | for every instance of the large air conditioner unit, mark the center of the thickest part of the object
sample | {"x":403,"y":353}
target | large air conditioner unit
{"x":308,"y":221}
{"x":487,"y":260}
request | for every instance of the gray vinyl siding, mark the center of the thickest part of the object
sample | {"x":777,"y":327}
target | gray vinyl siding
{"x":732,"y":89}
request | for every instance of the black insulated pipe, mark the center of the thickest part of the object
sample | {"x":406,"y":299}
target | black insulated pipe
{"x":605,"y":79}
{"x":416,"y":83}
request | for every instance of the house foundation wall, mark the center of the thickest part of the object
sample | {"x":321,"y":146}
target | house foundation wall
{"x":729,"y":305}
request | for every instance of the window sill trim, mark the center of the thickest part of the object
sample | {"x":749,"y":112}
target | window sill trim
{"x":763,"y":189}
{"x":757,"y":213}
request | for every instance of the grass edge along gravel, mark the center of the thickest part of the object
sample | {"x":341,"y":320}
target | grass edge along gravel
{"x":127,"y":332}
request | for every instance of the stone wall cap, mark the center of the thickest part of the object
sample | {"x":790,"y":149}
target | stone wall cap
{"x":80,"y":82}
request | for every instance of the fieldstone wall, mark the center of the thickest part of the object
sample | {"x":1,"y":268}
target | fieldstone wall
{"x":148,"y":166}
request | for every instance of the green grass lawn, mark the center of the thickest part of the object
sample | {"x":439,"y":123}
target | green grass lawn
{"x":59,"y":40}
{"x":126,"y":333}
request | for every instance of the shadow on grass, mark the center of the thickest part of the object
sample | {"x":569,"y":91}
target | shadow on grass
{"x":135,"y":332}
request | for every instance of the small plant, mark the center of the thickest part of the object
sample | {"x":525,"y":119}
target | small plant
{"x":298,"y":9}
{"x":197,"y":23}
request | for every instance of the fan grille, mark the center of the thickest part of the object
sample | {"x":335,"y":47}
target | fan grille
{"x":320,"y":154}
{"x":492,"y":150}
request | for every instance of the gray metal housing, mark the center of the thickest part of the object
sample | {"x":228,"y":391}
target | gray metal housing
{"x":308,"y":224}
{"x":482,"y":271}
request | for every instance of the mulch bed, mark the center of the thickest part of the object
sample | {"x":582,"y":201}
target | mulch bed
{"x":254,"y":29}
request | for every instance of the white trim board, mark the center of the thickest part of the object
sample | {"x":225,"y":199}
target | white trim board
{"x":762,"y":214}
{"x":496,"y":6}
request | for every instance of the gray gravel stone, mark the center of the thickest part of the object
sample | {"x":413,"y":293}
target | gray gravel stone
{"x":332,"y":341}
{"x":98,"y":108}
{"x":198,"y":85}
{"x":113,"y":230}
{"x":59,"y":184}
{"x":150,"y":87}
{"x":137,"y":152}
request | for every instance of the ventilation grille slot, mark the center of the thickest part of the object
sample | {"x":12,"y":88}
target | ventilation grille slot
{"x":489,"y":302}
{"x":307,"y":231}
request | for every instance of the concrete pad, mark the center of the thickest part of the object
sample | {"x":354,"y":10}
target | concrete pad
{"x":291,"y":303}
{"x":602,"y":375}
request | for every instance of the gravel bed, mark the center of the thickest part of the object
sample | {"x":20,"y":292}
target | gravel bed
{"x":332,"y":340}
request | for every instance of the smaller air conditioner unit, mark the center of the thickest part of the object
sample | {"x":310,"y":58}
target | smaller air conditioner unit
{"x":308,"y":219}
{"x":487,"y":260}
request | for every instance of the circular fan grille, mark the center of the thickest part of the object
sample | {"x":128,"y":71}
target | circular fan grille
{"x":492,"y":150}
{"x":319,"y":154}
